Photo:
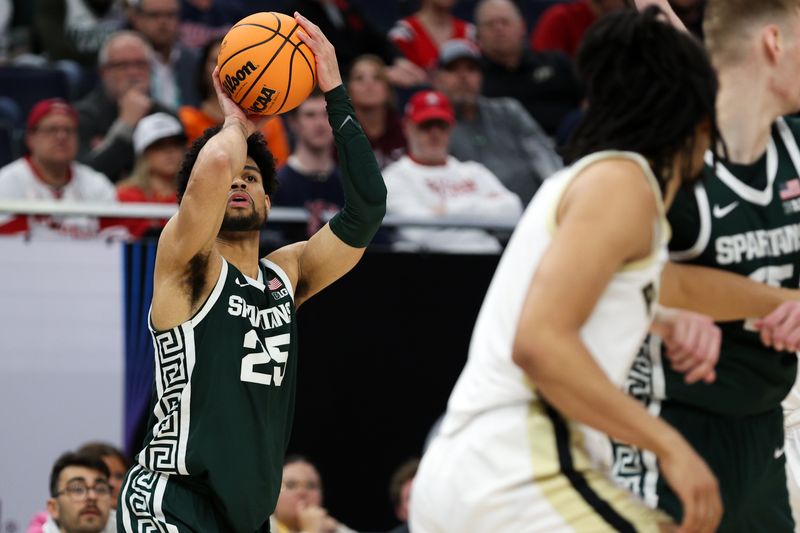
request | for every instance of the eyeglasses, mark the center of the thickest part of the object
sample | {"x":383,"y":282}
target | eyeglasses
{"x":159,"y":14}
{"x":139,"y":64}
{"x":52,"y":131}
{"x":292,"y":484}
{"x":78,"y":491}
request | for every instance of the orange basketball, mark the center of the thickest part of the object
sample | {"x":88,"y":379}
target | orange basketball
{"x":264,"y":66}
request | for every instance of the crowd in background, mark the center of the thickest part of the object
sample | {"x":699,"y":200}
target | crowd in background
{"x":100,"y":98}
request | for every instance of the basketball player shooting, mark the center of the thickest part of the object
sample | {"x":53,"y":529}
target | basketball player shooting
{"x":223,"y":321}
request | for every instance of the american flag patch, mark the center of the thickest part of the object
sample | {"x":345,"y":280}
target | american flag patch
{"x":274,"y":284}
{"x":790,"y":189}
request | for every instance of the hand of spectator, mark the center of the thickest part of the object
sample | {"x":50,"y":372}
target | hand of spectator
{"x":314,"y":519}
{"x":404,"y":73}
{"x":232,"y":111}
{"x":692,"y":340}
{"x":328,"y":76}
{"x":781,"y":328}
{"x":133,"y":106}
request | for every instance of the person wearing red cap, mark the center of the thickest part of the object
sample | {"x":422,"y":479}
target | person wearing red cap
{"x":50,"y":172}
{"x":429,"y":182}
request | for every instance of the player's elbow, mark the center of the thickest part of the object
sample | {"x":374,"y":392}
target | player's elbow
{"x":530,"y":352}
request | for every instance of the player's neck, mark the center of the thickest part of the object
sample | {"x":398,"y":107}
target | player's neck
{"x":745,"y":113}
{"x":240,"y":248}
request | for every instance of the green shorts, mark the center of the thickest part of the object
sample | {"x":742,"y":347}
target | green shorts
{"x":746,"y":454}
{"x":153,"y":501}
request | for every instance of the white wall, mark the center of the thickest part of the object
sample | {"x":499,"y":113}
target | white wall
{"x":61,"y":361}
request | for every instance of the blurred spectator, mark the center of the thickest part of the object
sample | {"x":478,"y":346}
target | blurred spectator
{"x":400,"y":492}
{"x":560,"y":27}
{"x":496,"y":132}
{"x":117,"y":465}
{"x":172,"y":64}
{"x":109,"y":114}
{"x":374,"y":104}
{"x":543,"y":82}
{"x":197,"y":119}
{"x":429,"y":182}
{"x":311,"y":177}
{"x":80,"y":495}
{"x":6,"y":12}
{"x":299,"y":507}
{"x":50,"y":172}
{"x":419,"y":35}
{"x":75,"y":29}
{"x":352,"y":35}
{"x":159,"y":144}
{"x":203,"y":20}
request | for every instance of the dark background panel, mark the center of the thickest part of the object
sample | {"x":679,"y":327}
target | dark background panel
{"x":380,"y":351}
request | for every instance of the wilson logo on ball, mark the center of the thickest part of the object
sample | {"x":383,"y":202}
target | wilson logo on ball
{"x":263,"y":100}
{"x":232,"y":82}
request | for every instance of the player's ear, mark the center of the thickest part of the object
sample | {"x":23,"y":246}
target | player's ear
{"x":52,"y":508}
{"x":268,"y":202}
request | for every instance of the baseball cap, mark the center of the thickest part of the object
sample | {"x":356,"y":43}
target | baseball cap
{"x":155,"y":127}
{"x":456,"y":49}
{"x":429,"y":105}
{"x":46,"y":107}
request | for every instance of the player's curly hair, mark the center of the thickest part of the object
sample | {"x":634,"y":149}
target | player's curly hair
{"x":256,"y":148}
{"x":648,"y":86}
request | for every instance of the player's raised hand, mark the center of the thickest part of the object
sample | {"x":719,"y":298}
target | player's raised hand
{"x":328,"y":76}
{"x":231,"y":110}
{"x":781,"y":328}
{"x":695,"y":486}
{"x":692,"y":340}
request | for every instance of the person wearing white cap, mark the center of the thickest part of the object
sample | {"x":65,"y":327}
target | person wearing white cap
{"x":159,"y":143}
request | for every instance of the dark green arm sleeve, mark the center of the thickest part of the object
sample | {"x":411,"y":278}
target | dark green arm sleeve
{"x":364,"y":190}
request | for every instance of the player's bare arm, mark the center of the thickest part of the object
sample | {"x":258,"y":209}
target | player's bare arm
{"x":338,"y":246}
{"x":186,"y":252}
{"x":552,"y":353}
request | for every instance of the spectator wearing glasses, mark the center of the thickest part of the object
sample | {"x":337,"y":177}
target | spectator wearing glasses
{"x":172,"y":65}
{"x":49,"y":172}
{"x":80,"y":495}
{"x":108,"y":115}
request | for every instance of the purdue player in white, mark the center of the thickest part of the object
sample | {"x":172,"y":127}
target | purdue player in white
{"x":572,"y":297}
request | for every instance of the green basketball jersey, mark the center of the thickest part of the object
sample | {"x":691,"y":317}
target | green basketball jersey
{"x":744,"y":219}
{"x":224,"y":396}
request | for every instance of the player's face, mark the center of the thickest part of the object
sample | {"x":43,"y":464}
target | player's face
{"x":461,"y":82}
{"x":86,"y":514}
{"x":248,"y":203}
{"x":54,"y":140}
{"x":301,"y":487}
{"x":366,"y":86}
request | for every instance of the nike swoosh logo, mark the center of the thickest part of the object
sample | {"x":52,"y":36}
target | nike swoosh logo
{"x":345,"y":121}
{"x":239,"y":283}
{"x":778,"y":453}
{"x":720,"y":212}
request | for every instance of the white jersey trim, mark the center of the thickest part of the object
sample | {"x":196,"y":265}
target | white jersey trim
{"x":281,"y":274}
{"x":704,"y":235}
{"x":744,"y":191}
{"x":214,"y":296}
